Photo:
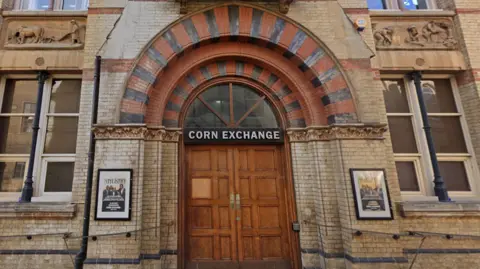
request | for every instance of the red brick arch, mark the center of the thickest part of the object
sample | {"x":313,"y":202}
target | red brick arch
{"x":292,"y":104}
{"x":278,"y":45}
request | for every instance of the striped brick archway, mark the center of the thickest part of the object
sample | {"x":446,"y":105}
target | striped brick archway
{"x":293,"y":106}
{"x":244,"y":28}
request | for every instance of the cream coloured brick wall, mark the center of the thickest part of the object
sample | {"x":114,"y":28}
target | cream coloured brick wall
{"x":112,"y":88}
{"x":322,"y":182}
{"x":151,"y":197}
{"x":138,"y":24}
{"x":99,"y":27}
{"x":119,"y":154}
{"x":169,"y":185}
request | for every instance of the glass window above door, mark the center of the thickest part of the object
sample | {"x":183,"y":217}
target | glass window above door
{"x":230,"y":105}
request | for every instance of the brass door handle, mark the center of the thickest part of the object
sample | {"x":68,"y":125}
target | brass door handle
{"x":237,"y":198}
{"x":232,"y":201}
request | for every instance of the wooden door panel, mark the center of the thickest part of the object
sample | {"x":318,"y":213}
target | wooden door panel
{"x":201,"y":247}
{"x":252,"y":234}
{"x":210,"y":222}
{"x":262,"y":232}
{"x":202,"y":217}
{"x":266,"y":188}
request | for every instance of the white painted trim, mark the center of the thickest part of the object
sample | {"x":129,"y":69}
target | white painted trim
{"x":41,"y":188}
{"x":16,"y":115}
{"x":418,"y":168}
{"x":63,"y":115}
{"x":472,"y":161}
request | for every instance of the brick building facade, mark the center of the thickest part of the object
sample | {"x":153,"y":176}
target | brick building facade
{"x":336,"y":78}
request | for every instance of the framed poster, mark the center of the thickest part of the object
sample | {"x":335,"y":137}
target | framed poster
{"x":371,"y":194}
{"x":114,"y":194}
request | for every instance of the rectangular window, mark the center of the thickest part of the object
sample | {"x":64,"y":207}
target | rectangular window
{"x":402,"y":132}
{"x":412,"y":159}
{"x":376,"y":4}
{"x":414,"y":4}
{"x":401,"y":4}
{"x":54,"y":163}
{"x":52,"y":4}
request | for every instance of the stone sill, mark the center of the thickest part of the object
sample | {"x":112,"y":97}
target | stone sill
{"x":419,"y":209}
{"x":44,"y":13}
{"x":37,"y":210}
{"x":411,"y":13}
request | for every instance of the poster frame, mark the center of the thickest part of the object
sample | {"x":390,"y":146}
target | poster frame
{"x":361,"y":215}
{"x":129,"y":194}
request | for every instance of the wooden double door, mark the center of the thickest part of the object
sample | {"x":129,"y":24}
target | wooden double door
{"x":236,"y":208}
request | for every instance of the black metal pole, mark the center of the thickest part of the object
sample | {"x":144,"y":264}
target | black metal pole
{"x":439,"y":185}
{"x":27,"y":191}
{"x":82,"y":255}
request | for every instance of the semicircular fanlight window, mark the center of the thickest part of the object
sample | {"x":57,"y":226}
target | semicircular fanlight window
{"x":230,"y":106}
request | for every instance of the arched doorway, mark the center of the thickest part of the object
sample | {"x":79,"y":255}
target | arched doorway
{"x":236,"y":185}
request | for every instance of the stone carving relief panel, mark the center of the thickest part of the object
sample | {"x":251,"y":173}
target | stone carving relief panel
{"x":414,"y":34}
{"x":48,"y":33}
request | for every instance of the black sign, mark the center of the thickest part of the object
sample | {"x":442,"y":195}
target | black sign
{"x":232,"y":135}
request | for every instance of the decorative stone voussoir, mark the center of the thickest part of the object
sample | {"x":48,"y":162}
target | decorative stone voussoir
{"x":367,"y":132}
{"x":135,"y":132}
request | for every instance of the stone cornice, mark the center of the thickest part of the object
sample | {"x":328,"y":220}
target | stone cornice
{"x":320,"y":133}
{"x":334,"y":132}
{"x":135,"y":132}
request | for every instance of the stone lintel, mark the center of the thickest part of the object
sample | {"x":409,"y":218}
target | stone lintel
{"x":422,"y":209}
{"x":37,"y":210}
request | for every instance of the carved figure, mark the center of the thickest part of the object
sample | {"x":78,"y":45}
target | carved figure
{"x":284,"y":5}
{"x":74,"y":32}
{"x":383,"y":37}
{"x":23,"y":32}
{"x":413,"y":36}
{"x":439,"y":32}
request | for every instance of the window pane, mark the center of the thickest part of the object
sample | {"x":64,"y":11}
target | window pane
{"x":20,"y":96}
{"x":59,"y":177}
{"x":415,"y":4}
{"x":13,"y":139}
{"x":261,"y":117}
{"x":65,"y":97}
{"x":407,"y":176}
{"x":200,"y":116}
{"x":243,"y":99}
{"x":75,"y":4}
{"x":376,"y":4}
{"x":35,"y":4}
{"x":438,"y":96}
{"x":19,"y":170}
{"x":61,"y":135}
{"x":218,"y":97}
{"x":395,"y":96}
{"x":454,"y":175}
{"x":447,"y":134}
{"x":11,"y":180}
{"x":401,"y":130}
